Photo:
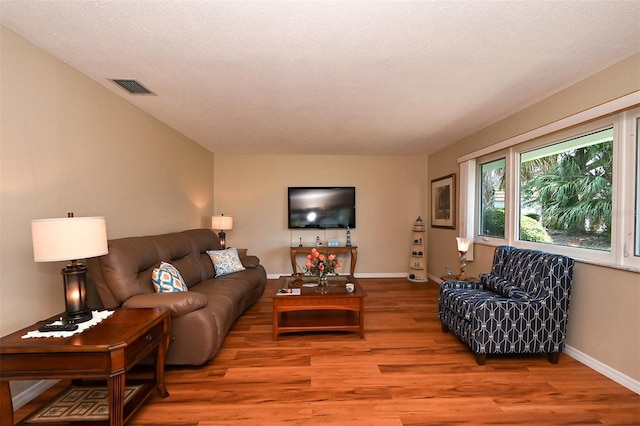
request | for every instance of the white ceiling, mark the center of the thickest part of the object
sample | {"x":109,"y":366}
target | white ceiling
{"x":332,"y":77}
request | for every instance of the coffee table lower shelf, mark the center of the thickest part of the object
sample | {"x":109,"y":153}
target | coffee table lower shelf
{"x":318,"y":320}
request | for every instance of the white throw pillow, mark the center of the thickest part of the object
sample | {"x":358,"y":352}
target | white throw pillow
{"x":226,"y":261}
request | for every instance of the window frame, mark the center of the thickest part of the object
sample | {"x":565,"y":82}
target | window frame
{"x":478,"y":215}
{"x":635,"y":242}
{"x":629,"y":234}
{"x":626,"y":186}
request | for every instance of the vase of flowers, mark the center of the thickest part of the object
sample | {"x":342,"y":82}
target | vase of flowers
{"x":321,"y":265}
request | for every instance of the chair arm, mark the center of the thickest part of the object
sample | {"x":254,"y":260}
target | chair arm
{"x":180,"y":302}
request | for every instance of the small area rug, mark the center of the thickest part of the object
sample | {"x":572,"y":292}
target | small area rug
{"x":80,"y":403}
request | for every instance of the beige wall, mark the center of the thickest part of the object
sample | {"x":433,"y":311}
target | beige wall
{"x":604,"y":322}
{"x":146,"y":178}
{"x":390,"y":194}
{"x":68,"y":144}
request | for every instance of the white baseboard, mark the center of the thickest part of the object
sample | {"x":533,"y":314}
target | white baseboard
{"x":367,"y":275}
{"x":383,"y":275}
{"x":618,"y":377}
{"x":31,"y":392}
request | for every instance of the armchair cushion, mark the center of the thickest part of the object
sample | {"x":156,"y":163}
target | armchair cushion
{"x":503,"y":287}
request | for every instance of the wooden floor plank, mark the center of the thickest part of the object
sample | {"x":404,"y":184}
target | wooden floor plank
{"x":405,"y":371}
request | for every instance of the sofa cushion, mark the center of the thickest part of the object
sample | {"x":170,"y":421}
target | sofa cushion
{"x":180,"y":303}
{"x":166,"y":278}
{"x":226,"y":261}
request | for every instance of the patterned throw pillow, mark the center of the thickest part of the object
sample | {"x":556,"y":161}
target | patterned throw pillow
{"x":225,"y":261}
{"x":167,"y":278}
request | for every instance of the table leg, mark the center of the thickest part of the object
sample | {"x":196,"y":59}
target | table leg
{"x":361,"y":318}
{"x":294,"y":265}
{"x":354,"y":260}
{"x":275,"y":322}
{"x":115,"y":387}
{"x":161,"y":355}
{"x":6,"y":406}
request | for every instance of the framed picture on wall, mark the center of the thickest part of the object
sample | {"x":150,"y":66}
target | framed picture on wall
{"x":443,"y":202}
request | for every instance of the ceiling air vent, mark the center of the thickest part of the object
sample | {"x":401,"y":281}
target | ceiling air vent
{"x":133,"y":87}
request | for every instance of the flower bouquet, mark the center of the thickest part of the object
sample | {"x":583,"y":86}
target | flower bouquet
{"x":321,"y":264}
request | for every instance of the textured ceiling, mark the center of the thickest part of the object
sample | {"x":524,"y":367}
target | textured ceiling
{"x":332,"y":77}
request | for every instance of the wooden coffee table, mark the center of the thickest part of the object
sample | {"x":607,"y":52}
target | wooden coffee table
{"x":316,"y":309}
{"x":105,"y":351}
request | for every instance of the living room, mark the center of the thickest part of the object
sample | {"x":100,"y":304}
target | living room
{"x":69,"y":144}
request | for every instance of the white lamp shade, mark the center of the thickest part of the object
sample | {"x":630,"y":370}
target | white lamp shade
{"x":69,"y":238}
{"x":463,"y":244}
{"x":222,"y":223}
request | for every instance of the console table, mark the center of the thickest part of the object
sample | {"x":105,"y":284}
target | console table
{"x":307,"y":250}
{"x":105,"y":351}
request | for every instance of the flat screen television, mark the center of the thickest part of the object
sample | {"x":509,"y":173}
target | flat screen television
{"x":322,"y":207}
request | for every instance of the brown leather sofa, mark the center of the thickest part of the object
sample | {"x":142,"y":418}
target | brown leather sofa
{"x":202,"y":316}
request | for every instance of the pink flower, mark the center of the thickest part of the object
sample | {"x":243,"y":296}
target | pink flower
{"x":309,"y":257}
{"x":338,"y":265}
{"x":308,"y":264}
{"x":321,"y":266}
{"x":321,"y":257}
{"x":331,"y":257}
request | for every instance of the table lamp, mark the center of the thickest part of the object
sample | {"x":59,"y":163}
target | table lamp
{"x":70,"y":239}
{"x":463,"y":247}
{"x":223,"y":223}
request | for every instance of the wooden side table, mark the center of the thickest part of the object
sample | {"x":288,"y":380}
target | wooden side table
{"x":353,"y":250}
{"x":103,"y":352}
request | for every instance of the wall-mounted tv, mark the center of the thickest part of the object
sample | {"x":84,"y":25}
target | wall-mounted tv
{"x":322,"y":207}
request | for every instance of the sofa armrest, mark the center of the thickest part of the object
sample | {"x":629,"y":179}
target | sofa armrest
{"x":250,"y":261}
{"x":180,"y":303}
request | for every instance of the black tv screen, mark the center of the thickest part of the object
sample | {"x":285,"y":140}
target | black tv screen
{"x":322,"y":207}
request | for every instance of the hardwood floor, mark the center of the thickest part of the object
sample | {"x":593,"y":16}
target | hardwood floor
{"x":405,"y":372}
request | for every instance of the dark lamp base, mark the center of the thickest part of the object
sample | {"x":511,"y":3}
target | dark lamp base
{"x":77,"y":317}
{"x":75,"y":293}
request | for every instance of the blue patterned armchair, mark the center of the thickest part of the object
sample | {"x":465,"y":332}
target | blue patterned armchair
{"x":521,"y":306}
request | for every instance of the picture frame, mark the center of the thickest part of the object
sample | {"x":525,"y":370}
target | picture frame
{"x":443,"y":202}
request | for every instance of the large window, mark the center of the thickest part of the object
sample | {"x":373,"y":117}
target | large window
{"x":492,"y":193}
{"x":572,"y":190}
{"x":566,"y":192}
